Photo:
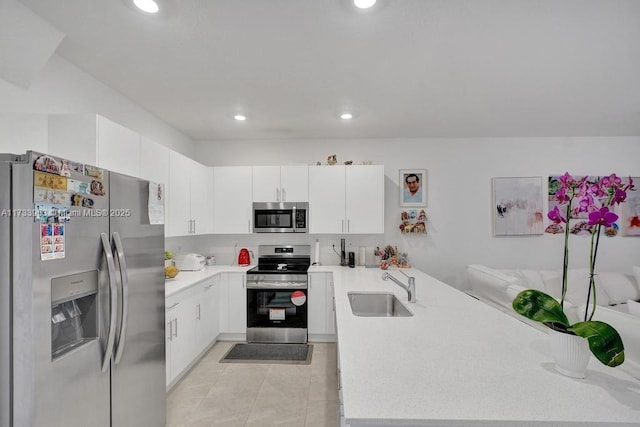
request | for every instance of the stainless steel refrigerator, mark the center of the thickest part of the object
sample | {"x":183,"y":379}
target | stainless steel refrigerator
{"x":81,"y":297}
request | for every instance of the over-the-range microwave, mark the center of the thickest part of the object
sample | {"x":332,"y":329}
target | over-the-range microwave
{"x":280,"y":217}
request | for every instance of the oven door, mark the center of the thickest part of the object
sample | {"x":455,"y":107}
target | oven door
{"x":277,"y":308}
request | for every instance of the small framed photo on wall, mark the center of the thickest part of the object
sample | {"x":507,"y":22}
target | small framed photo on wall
{"x":413,"y":187}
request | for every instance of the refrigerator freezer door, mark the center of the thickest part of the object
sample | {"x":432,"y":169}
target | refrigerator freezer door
{"x":5,"y":303}
{"x":71,"y":390}
{"x":138,"y":371}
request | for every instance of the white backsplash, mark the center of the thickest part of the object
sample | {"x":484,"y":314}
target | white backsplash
{"x":226,"y":247}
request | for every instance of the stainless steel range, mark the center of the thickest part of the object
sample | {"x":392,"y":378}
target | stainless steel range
{"x":277,"y":294}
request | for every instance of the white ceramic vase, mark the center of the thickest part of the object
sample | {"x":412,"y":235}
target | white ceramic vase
{"x":570,"y":352}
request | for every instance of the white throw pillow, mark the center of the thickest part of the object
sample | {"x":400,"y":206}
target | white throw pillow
{"x":529,"y":279}
{"x":633,"y":307}
{"x":552,"y":282}
{"x":618,"y":286}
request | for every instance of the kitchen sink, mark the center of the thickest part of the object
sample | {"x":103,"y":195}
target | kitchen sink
{"x":377,"y":304}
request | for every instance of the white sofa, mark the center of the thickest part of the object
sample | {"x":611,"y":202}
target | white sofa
{"x":617,"y":297}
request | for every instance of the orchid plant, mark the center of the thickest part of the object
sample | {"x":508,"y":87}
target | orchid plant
{"x":576,"y":197}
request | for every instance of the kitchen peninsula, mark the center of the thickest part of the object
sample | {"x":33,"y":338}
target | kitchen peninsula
{"x":460,"y":362}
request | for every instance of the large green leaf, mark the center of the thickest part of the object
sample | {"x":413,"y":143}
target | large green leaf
{"x":540,"y":307}
{"x":604,"y":341}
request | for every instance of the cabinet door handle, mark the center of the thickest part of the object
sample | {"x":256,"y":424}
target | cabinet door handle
{"x":277,"y":194}
{"x":194,"y":226}
{"x":208,"y":286}
{"x":284,"y":195}
{"x":174,"y":304}
{"x":342,"y":226}
{"x":175,"y":331}
{"x":348,"y":226}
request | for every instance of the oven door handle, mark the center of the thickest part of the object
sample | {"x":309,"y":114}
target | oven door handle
{"x":268,"y":285}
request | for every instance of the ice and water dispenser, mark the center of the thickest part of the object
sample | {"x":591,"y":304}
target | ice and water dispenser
{"x":74,"y":311}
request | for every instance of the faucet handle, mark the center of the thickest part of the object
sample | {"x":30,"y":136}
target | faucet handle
{"x":405,"y":274}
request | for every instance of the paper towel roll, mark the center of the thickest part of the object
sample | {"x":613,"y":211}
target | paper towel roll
{"x":361,"y":256}
{"x":316,"y":258}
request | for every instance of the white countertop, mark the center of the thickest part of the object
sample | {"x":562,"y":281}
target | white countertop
{"x":185,"y":279}
{"x":460,"y":362}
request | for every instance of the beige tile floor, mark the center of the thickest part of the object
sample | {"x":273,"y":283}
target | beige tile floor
{"x":248,"y":394}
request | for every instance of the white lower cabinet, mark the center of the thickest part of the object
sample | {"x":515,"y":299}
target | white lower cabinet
{"x":208,"y":313}
{"x":180,"y":331}
{"x":233,"y":307}
{"x":321,"y":314}
{"x":192,"y":325}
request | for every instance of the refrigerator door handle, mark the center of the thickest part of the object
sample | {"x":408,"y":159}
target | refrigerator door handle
{"x":124,"y":278}
{"x":113,"y":290}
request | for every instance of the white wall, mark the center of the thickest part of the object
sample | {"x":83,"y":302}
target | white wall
{"x":460,"y":205}
{"x":63,"y":88}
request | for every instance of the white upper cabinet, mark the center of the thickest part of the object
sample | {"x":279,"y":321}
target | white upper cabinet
{"x":281,"y":183}
{"x":201,"y":195}
{"x":96,"y":140}
{"x":346,"y":199}
{"x":364,"y":210}
{"x":154,"y":161}
{"x":326,"y":199}
{"x":118,"y":148}
{"x":266,"y":183}
{"x":189,"y":197}
{"x":21,"y":132}
{"x":232,"y":204}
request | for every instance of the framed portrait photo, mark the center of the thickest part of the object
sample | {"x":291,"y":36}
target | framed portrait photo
{"x":413,"y":187}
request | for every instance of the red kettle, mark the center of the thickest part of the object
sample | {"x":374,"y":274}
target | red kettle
{"x":243,"y":257}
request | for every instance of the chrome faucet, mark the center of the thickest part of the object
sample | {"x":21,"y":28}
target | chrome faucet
{"x":411,"y":288}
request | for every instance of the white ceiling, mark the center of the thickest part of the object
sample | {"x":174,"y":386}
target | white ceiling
{"x":408,"y":68}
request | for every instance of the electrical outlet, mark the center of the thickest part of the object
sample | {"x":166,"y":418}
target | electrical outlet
{"x":332,"y":244}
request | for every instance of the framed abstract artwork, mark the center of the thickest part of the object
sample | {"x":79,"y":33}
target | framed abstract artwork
{"x":630,"y":212}
{"x":518,"y":206}
{"x":413,"y":187}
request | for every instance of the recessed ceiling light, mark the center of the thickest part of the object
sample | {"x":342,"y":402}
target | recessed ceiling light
{"x":346,"y":116}
{"x":149,"y":6}
{"x":364,"y":4}
{"x":240,"y":117}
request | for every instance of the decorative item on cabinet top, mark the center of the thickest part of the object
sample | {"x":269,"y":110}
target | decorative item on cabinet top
{"x":332,"y":159}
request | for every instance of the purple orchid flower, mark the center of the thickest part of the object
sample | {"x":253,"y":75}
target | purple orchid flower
{"x":597,"y":190}
{"x":611,"y":180}
{"x":586,"y":204}
{"x":565,"y":179}
{"x":603,"y":216}
{"x":555,"y":216}
{"x":561,"y":195}
{"x":619,"y":196}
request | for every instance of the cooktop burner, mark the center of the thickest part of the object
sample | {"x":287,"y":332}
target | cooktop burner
{"x":277,"y":259}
